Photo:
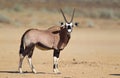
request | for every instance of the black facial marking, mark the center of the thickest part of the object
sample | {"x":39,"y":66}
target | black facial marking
{"x":76,"y":24}
{"x":62,"y":23}
{"x":69,"y":27}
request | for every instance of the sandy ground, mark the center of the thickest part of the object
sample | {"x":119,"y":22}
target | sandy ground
{"x":91,"y":53}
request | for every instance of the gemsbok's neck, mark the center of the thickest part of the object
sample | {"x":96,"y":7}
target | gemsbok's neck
{"x":64,"y":38}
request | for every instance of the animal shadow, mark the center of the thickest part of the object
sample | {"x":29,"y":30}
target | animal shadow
{"x":24,"y":72}
{"x":7,"y":71}
{"x":114,"y":74}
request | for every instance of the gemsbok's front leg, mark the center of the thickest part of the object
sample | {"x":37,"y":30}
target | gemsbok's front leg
{"x":55,"y":61}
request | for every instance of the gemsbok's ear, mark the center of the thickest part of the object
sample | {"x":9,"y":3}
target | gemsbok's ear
{"x":76,"y":24}
{"x":62,"y":24}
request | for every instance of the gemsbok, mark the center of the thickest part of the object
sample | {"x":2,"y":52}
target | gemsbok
{"x":54,"y":38}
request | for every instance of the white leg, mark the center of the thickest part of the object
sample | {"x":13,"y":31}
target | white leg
{"x":31,"y":65}
{"x":20,"y":63}
{"x":55,"y":67}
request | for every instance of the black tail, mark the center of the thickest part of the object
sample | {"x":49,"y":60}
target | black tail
{"x":21,"y":45}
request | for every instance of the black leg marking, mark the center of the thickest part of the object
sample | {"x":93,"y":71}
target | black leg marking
{"x":31,"y":51}
{"x":56,"y":53}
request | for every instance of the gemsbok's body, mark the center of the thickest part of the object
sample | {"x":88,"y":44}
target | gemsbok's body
{"x":54,"y":38}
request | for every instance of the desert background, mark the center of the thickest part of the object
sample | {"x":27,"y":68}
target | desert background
{"x":94,"y":48}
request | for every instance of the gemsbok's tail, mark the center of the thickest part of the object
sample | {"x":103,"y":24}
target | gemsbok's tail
{"x":21,"y":45}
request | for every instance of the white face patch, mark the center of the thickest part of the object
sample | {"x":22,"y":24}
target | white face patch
{"x":69,"y":27}
{"x":69,"y":30}
{"x":69,"y":24}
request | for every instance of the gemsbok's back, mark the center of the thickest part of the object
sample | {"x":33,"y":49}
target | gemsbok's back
{"x":55,"y":38}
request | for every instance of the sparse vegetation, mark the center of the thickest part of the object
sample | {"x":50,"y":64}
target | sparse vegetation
{"x":105,"y":9}
{"x":18,"y":8}
{"x":4,"y":19}
{"x":22,"y":12}
{"x":104,"y":13}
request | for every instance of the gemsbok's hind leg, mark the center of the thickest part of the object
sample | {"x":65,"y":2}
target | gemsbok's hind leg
{"x":22,"y":56}
{"x":20,"y":63}
{"x":29,"y":58}
{"x":55,"y":61}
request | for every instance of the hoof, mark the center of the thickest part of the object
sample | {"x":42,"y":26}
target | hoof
{"x":34,"y":71}
{"x":20,"y":71}
{"x":58,"y":73}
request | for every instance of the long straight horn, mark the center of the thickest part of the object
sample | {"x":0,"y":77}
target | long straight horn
{"x":72,"y":15}
{"x":63,"y":15}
